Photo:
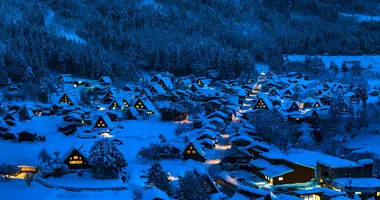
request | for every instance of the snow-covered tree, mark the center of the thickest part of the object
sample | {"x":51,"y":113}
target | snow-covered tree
{"x":52,"y":167}
{"x":280,"y":132}
{"x":44,"y":156}
{"x":106,"y":159}
{"x":192,"y":187}
{"x":29,"y":177}
{"x":157,"y":177}
{"x":7,"y":170}
{"x":23,"y":113}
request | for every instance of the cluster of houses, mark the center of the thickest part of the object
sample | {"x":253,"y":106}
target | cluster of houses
{"x":220,"y":127}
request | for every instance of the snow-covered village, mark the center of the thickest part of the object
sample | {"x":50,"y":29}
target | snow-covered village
{"x":194,"y":137}
{"x":190,"y":99}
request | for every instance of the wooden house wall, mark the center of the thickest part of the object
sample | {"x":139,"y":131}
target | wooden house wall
{"x":193,"y":156}
{"x":84,"y":164}
{"x":324,"y":172}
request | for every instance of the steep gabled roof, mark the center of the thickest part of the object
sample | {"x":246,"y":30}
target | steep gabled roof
{"x":158,"y":89}
{"x":168,"y":82}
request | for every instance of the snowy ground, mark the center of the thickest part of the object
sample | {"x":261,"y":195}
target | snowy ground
{"x":361,"y":17}
{"x":17,"y":189}
{"x":134,"y":136}
{"x":374,"y":60}
{"x":365,"y":142}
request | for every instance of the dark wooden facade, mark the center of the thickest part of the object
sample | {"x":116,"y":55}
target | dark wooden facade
{"x":66,"y":99}
{"x":327,"y":173}
{"x":191,"y":152}
{"x":26,"y":136}
{"x":76,"y":160}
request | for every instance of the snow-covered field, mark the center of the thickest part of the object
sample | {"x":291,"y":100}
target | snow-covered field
{"x":17,"y":189}
{"x":374,"y":60}
{"x":361,"y":17}
{"x":135,"y":135}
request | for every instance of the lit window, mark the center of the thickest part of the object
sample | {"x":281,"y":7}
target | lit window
{"x":103,"y":125}
{"x":188,"y":151}
{"x":280,"y":178}
{"x":193,"y":152}
{"x":76,"y":162}
{"x":378,"y":194}
{"x":358,"y":193}
{"x":75,"y":157}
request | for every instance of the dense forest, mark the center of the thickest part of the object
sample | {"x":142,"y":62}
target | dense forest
{"x":182,"y":36}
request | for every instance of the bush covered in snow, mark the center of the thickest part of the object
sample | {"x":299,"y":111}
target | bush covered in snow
{"x":193,"y":187}
{"x":7,"y":170}
{"x":106,"y":159}
{"x":52,"y":167}
{"x":157,"y":151}
{"x":137,"y":194}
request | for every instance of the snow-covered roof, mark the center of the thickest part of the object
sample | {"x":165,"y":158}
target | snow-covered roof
{"x":106,"y":119}
{"x":208,"y":133}
{"x":241,"y":137}
{"x":185,"y":81}
{"x":209,"y":126}
{"x":105,"y":79}
{"x":158,"y":76}
{"x":219,"y":114}
{"x":66,"y":78}
{"x":154,"y":193}
{"x":270,"y":170}
{"x":238,"y":196}
{"x":252,"y":190}
{"x":215,"y":119}
{"x":267,"y":102}
{"x":319,"y":190}
{"x":158,"y":88}
{"x":342,"y":183}
{"x":81,"y":149}
{"x":148,"y":105}
{"x":310,"y":159}
{"x":168,"y":82}
{"x":207,"y":141}
{"x":235,"y":150}
{"x":285,"y":197}
{"x":365,"y":161}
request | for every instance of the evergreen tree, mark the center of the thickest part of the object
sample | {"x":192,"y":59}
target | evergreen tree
{"x":158,"y":178}
{"x":23,"y":113}
{"x":192,"y":187}
{"x":107,"y":161}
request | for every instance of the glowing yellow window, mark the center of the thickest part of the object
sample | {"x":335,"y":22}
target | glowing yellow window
{"x":75,"y":157}
{"x":103,"y":125}
{"x":378,"y":194}
{"x":188,"y":151}
{"x":280,"y":178}
{"x":193,"y":152}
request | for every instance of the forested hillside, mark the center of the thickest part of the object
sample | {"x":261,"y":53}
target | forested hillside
{"x":182,"y":36}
